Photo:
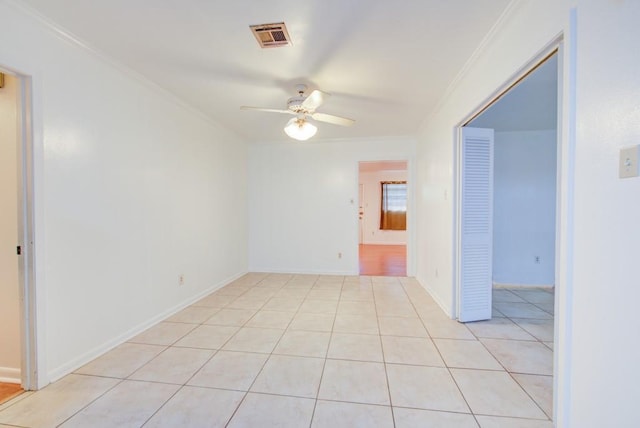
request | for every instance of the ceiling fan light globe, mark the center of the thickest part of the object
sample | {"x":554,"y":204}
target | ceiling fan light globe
{"x":300,"y":129}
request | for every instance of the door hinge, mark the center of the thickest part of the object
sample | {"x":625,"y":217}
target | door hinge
{"x":19,"y":249}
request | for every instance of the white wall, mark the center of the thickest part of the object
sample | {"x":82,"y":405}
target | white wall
{"x":303,"y":202}
{"x":598,"y":293}
{"x":9,"y":286}
{"x":606,"y":253}
{"x":524,"y":222}
{"x":132,"y":189}
{"x":372,"y":200}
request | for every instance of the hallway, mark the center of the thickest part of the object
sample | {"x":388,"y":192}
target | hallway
{"x":383,"y":260}
{"x":308,"y":350}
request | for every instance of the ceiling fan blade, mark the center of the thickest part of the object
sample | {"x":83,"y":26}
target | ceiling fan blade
{"x":315,"y":100}
{"x":329,"y":118}
{"x":270,"y":110}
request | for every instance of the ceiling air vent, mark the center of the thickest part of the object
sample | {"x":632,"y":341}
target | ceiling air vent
{"x":271,"y":35}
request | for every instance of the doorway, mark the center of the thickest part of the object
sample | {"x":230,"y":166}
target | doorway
{"x":382,"y":217}
{"x":524,"y":204}
{"x":519,"y":154}
{"x":516,"y":274}
{"x":17,"y":285}
{"x":10,"y":340}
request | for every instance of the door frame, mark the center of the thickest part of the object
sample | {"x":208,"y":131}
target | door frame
{"x":361,"y":191}
{"x":555,"y":47}
{"x":411,"y":226}
{"x":26,"y":227}
{"x":564,"y":202}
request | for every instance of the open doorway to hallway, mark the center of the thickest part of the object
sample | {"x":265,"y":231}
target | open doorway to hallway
{"x":18,"y":362}
{"x":382,"y":218}
{"x":524,"y":121}
{"x":518,"y":206}
{"x":10,"y":335}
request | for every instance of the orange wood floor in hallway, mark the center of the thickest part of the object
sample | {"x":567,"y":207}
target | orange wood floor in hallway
{"x":8,"y":391}
{"x":383,"y":260}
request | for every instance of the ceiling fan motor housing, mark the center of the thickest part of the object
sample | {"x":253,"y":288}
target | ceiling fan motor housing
{"x":295,"y":103}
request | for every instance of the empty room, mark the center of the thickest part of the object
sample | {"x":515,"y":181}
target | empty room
{"x":292,"y":214}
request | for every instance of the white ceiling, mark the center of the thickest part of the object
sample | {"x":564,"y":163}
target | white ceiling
{"x":387,"y":63}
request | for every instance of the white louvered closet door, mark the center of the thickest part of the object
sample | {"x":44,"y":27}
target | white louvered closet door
{"x":476,"y":225}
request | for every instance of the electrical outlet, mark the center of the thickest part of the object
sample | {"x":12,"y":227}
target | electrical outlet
{"x":537,"y":260}
{"x":181,"y":279}
{"x":339,"y":255}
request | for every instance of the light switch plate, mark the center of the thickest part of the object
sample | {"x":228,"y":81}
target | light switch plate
{"x":629,"y":161}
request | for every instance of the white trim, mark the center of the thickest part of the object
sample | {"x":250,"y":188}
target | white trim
{"x":412,"y":206}
{"x":304,"y":272}
{"x":26,"y":239}
{"x":436,"y":298}
{"x":457,"y":221}
{"x":27,"y":374}
{"x":63,"y":370}
{"x":385,"y":242}
{"x":562,"y":354}
{"x":10,"y":375}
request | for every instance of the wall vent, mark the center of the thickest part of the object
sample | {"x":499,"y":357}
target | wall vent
{"x":271,"y":35}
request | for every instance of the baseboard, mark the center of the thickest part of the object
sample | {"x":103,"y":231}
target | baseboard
{"x":306,"y":272}
{"x":91,"y":355}
{"x":10,"y":375}
{"x":439,"y":302}
{"x":436,"y":299}
{"x":383,"y":243}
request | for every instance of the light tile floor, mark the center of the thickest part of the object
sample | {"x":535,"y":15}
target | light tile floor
{"x":315,"y":351}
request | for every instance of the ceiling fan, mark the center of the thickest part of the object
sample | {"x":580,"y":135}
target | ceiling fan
{"x":304,"y":107}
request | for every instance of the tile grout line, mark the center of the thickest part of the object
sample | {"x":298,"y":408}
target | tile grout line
{"x":512,"y":373}
{"x":326,"y":355}
{"x":447,"y":367}
{"x":268,"y":357}
{"x":235,"y":411}
{"x":127,"y":378}
{"x":91,"y":402}
{"x":182,"y":386}
{"x":384,"y":359}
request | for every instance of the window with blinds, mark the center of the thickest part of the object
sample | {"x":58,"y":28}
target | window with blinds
{"x":393,"y":210}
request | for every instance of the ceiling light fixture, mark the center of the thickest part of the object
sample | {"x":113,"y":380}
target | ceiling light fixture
{"x":299,"y":129}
